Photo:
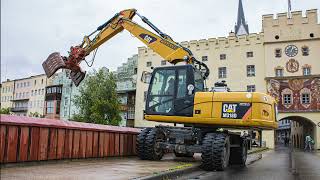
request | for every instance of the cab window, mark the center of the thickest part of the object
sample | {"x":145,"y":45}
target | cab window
{"x":198,"y":81}
{"x":182,"y":83}
{"x":162,"y":92}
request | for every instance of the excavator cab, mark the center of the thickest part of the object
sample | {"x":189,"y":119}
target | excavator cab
{"x":171,"y":90}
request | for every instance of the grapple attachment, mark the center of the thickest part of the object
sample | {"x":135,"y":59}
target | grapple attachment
{"x":55,"y":62}
{"x":77,"y":77}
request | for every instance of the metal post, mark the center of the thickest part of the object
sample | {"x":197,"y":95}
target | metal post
{"x":70,"y":100}
{"x":260,"y":137}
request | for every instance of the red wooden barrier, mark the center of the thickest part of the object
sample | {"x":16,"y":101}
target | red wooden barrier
{"x":34,"y":139}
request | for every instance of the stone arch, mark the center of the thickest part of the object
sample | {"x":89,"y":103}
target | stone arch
{"x":301,"y":127}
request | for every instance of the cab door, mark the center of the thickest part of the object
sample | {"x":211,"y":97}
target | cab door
{"x":183,"y":103}
{"x":171,"y":91}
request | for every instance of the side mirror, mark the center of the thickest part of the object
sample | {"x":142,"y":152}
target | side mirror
{"x":146,"y":77}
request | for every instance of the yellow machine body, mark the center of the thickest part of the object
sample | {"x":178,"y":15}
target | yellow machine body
{"x":228,"y":109}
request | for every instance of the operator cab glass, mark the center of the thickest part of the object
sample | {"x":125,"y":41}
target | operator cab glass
{"x":171,"y":90}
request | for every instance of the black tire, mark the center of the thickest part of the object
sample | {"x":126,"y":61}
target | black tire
{"x":140,"y":143}
{"x":215,"y":152}
{"x":152,"y":151}
{"x":190,"y":154}
{"x":238,"y":156}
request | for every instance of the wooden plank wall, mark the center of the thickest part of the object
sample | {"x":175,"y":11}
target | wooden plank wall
{"x":21,"y":143}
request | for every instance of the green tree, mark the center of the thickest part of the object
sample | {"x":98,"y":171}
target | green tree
{"x":97,"y":101}
{"x":5,"y":111}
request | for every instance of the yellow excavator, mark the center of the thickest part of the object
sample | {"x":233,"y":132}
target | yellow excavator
{"x":177,"y":94}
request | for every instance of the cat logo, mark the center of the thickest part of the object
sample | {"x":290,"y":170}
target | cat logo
{"x":229,"y":110}
{"x":148,"y":38}
{"x":235,"y":110}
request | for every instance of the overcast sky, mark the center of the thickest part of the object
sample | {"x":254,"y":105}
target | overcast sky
{"x":32,"y":29}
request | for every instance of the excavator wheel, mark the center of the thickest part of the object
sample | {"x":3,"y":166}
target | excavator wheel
{"x":140,"y":143}
{"x":238,"y":155}
{"x":215,"y":152}
{"x":152,"y":148}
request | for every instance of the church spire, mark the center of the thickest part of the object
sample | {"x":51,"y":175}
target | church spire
{"x":241,"y":26}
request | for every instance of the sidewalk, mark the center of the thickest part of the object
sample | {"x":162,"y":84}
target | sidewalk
{"x":111,"y":168}
{"x":257,"y":149}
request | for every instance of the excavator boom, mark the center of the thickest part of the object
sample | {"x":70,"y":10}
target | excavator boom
{"x":159,"y":42}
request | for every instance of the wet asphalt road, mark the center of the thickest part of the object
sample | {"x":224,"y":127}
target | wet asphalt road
{"x":279,"y":164}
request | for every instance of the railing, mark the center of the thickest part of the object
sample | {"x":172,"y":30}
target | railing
{"x":35,"y":139}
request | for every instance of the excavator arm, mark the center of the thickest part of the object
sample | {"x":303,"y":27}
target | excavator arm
{"x":159,"y":42}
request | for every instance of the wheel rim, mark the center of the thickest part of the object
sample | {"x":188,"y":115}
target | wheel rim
{"x":157,"y":149}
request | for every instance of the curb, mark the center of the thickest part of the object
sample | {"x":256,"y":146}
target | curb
{"x":169,"y":174}
{"x":172,"y":174}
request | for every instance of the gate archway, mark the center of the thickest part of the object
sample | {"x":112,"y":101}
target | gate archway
{"x":301,"y":126}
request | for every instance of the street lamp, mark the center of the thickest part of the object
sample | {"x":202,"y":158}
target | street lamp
{"x":70,"y":98}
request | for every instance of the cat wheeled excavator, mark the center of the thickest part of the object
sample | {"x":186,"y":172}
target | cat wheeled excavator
{"x":177,"y":94}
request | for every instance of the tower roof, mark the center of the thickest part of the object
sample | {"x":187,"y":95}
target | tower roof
{"x":241,"y":26}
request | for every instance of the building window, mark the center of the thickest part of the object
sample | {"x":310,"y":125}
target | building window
{"x":35,"y":82}
{"x":277,"y":53}
{"x":287,"y":99}
{"x":65,"y":101}
{"x":35,"y":92}
{"x":58,"y":107}
{"x":222,"y":72}
{"x":251,"y":88}
{"x":50,"y":106}
{"x":249,"y":54}
{"x":164,"y":62}
{"x":305,"y":51}
{"x":279,"y":72}
{"x":251,"y":71}
{"x":41,"y":81}
{"x":48,"y":90}
{"x":305,"y":98}
{"x":59,"y":90}
{"x":223,"y":56}
{"x":149,"y":64}
{"x":204,"y":58}
{"x":306,"y":71}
